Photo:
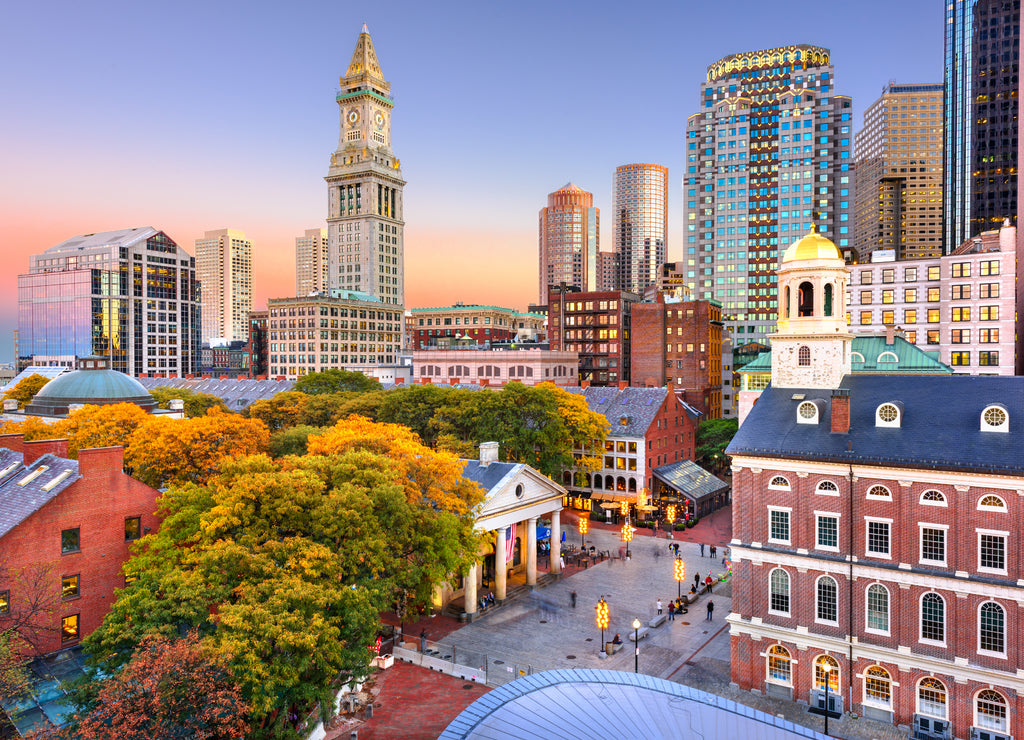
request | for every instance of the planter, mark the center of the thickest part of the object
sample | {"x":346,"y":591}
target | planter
{"x":384,"y":661}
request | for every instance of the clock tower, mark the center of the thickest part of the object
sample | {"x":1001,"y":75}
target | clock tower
{"x":364,"y":186}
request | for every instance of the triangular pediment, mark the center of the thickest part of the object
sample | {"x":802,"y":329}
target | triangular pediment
{"x":521,"y":487}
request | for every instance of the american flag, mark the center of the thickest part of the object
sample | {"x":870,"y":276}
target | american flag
{"x":510,"y":543}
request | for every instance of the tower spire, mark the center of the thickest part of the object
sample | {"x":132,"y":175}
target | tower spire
{"x":364,"y":67}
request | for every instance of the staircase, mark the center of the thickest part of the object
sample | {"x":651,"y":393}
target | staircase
{"x":511,"y":594}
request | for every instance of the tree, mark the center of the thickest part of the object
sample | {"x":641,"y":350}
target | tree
{"x":291,"y":441}
{"x":176,"y":688}
{"x":713,"y":436}
{"x":196,"y":403}
{"x":26,"y":389}
{"x":34,"y":597}
{"x":99,"y":426}
{"x":31,"y":427}
{"x":175,"y":451}
{"x":336,"y":381}
{"x":414,"y":407}
{"x":14,"y":677}
{"x":279,"y":412}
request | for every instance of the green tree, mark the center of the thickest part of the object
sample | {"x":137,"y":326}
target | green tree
{"x":336,"y":381}
{"x":13,"y":672}
{"x":713,"y":436}
{"x":414,"y":407}
{"x":292,"y":441}
{"x":26,"y":389}
{"x":196,"y":403}
{"x":280,"y":411}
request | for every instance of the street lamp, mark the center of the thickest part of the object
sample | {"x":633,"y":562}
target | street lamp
{"x":602,"y":619}
{"x":826,"y":669}
{"x":679,"y":571}
{"x":627,"y":536}
{"x":636,"y":641}
{"x":584,"y":526}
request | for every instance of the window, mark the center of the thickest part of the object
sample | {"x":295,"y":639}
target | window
{"x":989,"y":313}
{"x":961,"y":269}
{"x":132,"y":528}
{"x":878,"y":608}
{"x":995,"y":419}
{"x":822,"y":663}
{"x":888,"y":275}
{"x":990,"y":267}
{"x":961,"y":336}
{"x":779,"y":483}
{"x":877,"y":686}
{"x":865,"y":318}
{"x":990,"y":709}
{"x":780,"y":667}
{"x":988,"y":290}
{"x":910,"y":317}
{"x":959,"y":359}
{"x":827,"y":600}
{"x":865,"y":297}
{"x":5,"y":602}
{"x":991,"y":502}
{"x":888,"y":296}
{"x":69,"y":628}
{"x":992,"y":551}
{"x":960,"y":292}
{"x":910,"y":295}
{"x":962,"y":313}
{"x":804,"y":356}
{"x":933,"y":544}
{"x":931,"y":698}
{"x":879,"y":492}
{"x":933,"y":498}
{"x":779,"y":592}
{"x":69,"y":587}
{"x":828,"y":531}
{"x":865,"y":278}
{"x":933,"y":273}
{"x":991,"y":628}
{"x":988,"y":359}
{"x":878,"y":537}
{"x":933,"y":334}
{"x":888,"y":318}
{"x":988,"y":336}
{"x":933,"y":618}
{"x":827,"y":488}
{"x":910,"y":274}
{"x":779,"y":525}
{"x":887,"y":415}
{"x":934,"y":295}
{"x":807,"y":413}
{"x":70,"y":541}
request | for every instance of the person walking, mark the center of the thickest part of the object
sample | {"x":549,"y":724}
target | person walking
{"x":659,"y":606}
{"x":711,"y":610}
{"x":671,"y":611}
{"x":702,"y":549}
{"x":713,"y":552}
{"x":572,"y":598}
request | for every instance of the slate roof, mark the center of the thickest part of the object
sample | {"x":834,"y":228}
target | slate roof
{"x":637,"y":406}
{"x":18,"y":503}
{"x":940,"y":427}
{"x":910,"y":357}
{"x":690,"y":478}
{"x":236,"y":394}
{"x":488,"y":476}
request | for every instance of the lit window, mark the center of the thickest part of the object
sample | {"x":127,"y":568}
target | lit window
{"x":877,"y":687}
{"x":990,"y":710}
{"x":780,"y":667}
{"x":931,"y":698}
{"x":132,"y":528}
{"x":69,"y":587}
{"x":991,"y":502}
{"x":69,"y":628}
{"x":820,"y":664}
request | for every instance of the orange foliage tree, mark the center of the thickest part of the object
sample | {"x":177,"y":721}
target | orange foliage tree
{"x":99,"y":426}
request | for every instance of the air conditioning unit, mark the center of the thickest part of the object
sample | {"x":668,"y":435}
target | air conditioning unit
{"x":978,"y":733}
{"x":929,"y":728}
{"x":835,"y":701}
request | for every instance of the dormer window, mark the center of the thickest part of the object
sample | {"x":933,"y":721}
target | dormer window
{"x":888,"y":357}
{"x":995,"y":419}
{"x":807,"y":413}
{"x":888,"y":415}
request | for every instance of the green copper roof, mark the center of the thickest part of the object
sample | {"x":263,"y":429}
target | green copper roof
{"x":92,"y":386}
{"x":871,"y":354}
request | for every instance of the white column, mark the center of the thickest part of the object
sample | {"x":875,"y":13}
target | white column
{"x":556,"y":541}
{"x":500,"y":564}
{"x":531,"y":551}
{"x":470,"y":591}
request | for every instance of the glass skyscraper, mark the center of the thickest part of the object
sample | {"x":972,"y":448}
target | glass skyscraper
{"x":980,"y":130}
{"x":639,"y":224}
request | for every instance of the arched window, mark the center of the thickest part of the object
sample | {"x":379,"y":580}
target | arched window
{"x":805,"y":298}
{"x":828,"y":299}
{"x":780,"y":667}
{"x":887,"y":357}
{"x":807,"y":413}
{"x":820,"y":664}
{"x":991,"y":502}
{"x":995,"y":419}
{"x":632,"y":485}
{"x":931,"y":698}
{"x":933,"y":498}
{"x":828,"y":488}
{"x":887,"y":415}
{"x":620,"y":484}
{"x":878,"y":608}
{"x":856,"y":357}
{"x":567,"y":478}
{"x":990,"y":711}
{"x":804,"y":356}
{"x":933,"y":617}
{"x":879,"y":492}
{"x":827,"y":608}
{"x":779,"y":483}
{"x":991,"y":628}
{"x":778,"y":598}
{"x":878,"y":687}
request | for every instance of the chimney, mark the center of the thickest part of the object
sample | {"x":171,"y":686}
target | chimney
{"x":584,"y":384}
{"x":39,"y":447}
{"x":841,"y":411}
{"x":101,"y":461}
{"x":10,"y":405}
{"x":623,"y":385}
{"x":176,"y":404}
{"x":488,"y":453}
{"x":890,"y":335}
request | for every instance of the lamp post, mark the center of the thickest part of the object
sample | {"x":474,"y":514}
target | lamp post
{"x":827,"y":670}
{"x":602,"y":619}
{"x":584,"y":526}
{"x":636,"y":642}
{"x":679,"y":571}
{"x":627,"y":536}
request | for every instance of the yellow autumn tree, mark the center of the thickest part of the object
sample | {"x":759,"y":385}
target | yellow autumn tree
{"x":26,"y":389}
{"x":32,"y":427}
{"x":99,"y":426}
{"x":175,"y":451}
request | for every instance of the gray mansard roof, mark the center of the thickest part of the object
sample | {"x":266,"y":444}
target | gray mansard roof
{"x":940,"y":427}
{"x":18,"y":503}
{"x":629,"y":411}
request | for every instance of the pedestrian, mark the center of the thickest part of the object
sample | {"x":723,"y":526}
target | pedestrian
{"x":671,"y":611}
{"x":702,"y":549}
{"x":714,"y":551}
{"x":696,"y":580}
{"x":711,"y":610}
{"x":423,"y":641}
{"x":561,"y":562}
{"x":708,"y":583}
{"x":572,"y":598}
{"x":659,"y":606}
{"x":676,"y":546}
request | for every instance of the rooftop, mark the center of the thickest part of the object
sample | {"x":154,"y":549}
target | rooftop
{"x":26,"y":489}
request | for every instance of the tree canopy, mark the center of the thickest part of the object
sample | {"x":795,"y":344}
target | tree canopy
{"x":26,"y":389}
{"x":99,"y":426}
{"x":713,"y":436}
{"x":196,"y":403}
{"x":336,"y":381}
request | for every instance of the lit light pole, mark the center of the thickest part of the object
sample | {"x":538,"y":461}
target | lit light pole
{"x":827,"y":670}
{"x":627,"y":536}
{"x":602,"y":619}
{"x":584,"y":526}
{"x":679,"y":571}
{"x":636,"y":641}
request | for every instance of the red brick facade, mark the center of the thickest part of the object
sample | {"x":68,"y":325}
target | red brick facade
{"x":596,"y":326}
{"x":97,"y":504}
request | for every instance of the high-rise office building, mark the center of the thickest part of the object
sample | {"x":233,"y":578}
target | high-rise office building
{"x":569,"y":240}
{"x":364,"y":186}
{"x":131,"y":296}
{"x":312,"y":262}
{"x":639,"y":224}
{"x":980,"y":136}
{"x":768,"y":155}
{"x":224,"y":269}
{"x":898,"y":197}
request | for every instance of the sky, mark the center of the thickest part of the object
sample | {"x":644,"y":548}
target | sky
{"x":192,"y":116}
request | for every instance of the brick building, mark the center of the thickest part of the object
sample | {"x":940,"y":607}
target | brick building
{"x":258,"y":345}
{"x":679,"y":341}
{"x":875,"y":522}
{"x":439,"y":328}
{"x":494,"y":367}
{"x":596,"y":326}
{"x":65,"y":529}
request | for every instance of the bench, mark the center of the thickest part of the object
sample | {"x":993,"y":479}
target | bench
{"x":657,"y":621}
{"x":640,"y":634}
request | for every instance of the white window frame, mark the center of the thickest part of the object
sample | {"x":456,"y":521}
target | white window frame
{"x":945,"y":621}
{"x":986,"y":427}
{"x":888,"y":611}
{"x":944,"y":503}
{"x":880,"y":422}
{"x":875,"y":497}
{"x":1006,"y":551}
{"x":817,"y":619}
{"x":871,"y":702}
{"x":788,"y":510}
{"x":921,"y":526}
{"x":821,"y":492}
{"x":1001,"y":509}
{"x":917,"y":698}
{"x":773,"y":486}
{"x":767,"y":666}
{"x":867,"y":537}
{"x":1005,"y":729}
{"x":801,"y":419}
{"x":789,"y":593}
{"x":1006,"y":619}
{"x":818,"y":516}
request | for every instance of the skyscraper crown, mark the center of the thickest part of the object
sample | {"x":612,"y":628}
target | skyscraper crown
{"x":364,"y":68}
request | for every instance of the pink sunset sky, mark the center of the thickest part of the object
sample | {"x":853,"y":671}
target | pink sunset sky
{"x":193,"y":116}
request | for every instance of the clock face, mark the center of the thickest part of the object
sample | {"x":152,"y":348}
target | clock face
{"x":379,"y":120}
{"x":353,"y":116}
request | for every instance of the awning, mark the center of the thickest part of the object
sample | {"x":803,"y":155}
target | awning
{"x":689,"y":479}
{"x":608,"y":496}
